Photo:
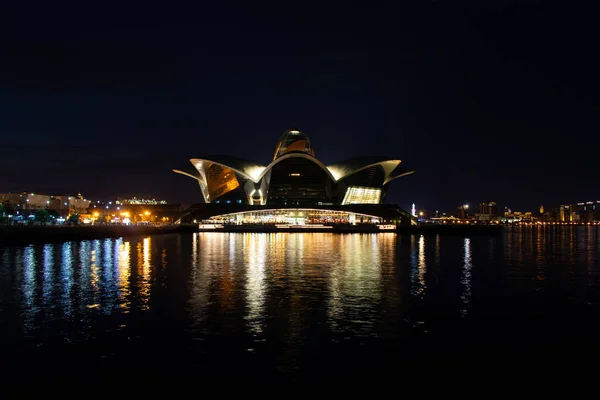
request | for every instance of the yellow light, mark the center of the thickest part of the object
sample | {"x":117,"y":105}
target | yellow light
{"x":96,"y":214}
{"x":147,"y":213}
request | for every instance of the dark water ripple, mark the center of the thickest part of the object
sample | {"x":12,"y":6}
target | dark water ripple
{"x":302,"y":304}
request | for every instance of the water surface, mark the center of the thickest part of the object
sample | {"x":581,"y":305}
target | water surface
{"x":305,"y":304}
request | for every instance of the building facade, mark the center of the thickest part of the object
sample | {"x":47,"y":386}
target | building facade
{"x":294,"y":178}
{"x":27,"y":203}
{"x":585,"y":211}
{"x":486,"y":211}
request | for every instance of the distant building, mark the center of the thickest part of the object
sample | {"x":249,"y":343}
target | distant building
{"x":587,"y":211}
{"x":518,"y":216}
{"x":135,"y":200}
{"x":549,"y":215}
{"x":117,"y":212}
{"x":27,"y":203}
{"x":462,"y":211}
{"x":486,"y":211}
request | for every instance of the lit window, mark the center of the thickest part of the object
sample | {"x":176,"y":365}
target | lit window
{"x":362,"y":195}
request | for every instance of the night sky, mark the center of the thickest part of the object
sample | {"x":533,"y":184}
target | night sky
{"x":496,"y":102}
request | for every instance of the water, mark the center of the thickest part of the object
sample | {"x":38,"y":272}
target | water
{"x":302,"y":305}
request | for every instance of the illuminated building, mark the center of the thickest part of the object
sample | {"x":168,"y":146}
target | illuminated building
{"x":150,"y":211}
{"x":585,"y":211}
{"x":486,"y":211}
{"x":135,"y":200}
{"x":511,"y":216}
{"x":294,"y":178}
{"x":25,"y":203}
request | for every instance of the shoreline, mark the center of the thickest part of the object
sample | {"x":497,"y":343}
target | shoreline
{"x":22,"y":235}
{"x":11,"y":235}
{"x":341,"y":229}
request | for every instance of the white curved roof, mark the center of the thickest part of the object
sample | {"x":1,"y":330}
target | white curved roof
{"x":351,"y":166}
{"x":246,"y":168}
{"x":255,"y":172}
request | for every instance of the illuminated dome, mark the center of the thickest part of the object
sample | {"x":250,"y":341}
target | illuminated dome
{"x":293,"y":141}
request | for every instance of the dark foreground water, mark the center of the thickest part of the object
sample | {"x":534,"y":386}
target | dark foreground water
{"x":305,"y":305}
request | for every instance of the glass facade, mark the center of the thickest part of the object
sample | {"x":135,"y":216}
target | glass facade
{"x":298,"y":181}
{"x":295,"y":216}
{"x":221,"y":180}
{"x":362,"y":195}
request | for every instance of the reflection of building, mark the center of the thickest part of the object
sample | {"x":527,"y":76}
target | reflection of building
{"x":294,"y":178}
{"x":584,"y":211}
{"x":486,"y":211}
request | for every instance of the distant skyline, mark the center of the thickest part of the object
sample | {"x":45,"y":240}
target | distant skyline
{"x":483,"y":102}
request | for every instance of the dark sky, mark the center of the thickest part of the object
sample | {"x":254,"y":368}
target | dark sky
{"x":495,"y":102}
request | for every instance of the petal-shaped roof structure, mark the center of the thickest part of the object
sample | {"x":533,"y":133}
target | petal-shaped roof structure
{"x":398,"y":172}
{"x":188,"y":171}
{"x":248,"y":169}
{"x":351,"y":166}
{"x":294,"y":175}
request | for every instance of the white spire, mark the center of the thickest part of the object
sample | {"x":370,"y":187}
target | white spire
{"x":413,"y":210}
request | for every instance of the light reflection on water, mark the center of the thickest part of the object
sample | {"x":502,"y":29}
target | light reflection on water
{"x":143,"y":273}
{"x":255,"y":286}
{"x":124,"y":273}
{"x":29,"y":286}
{"x":466,"y":277}
{"x":48,"y":280}
{"x":66,"y":277}
{"x":282,"y":293}
{"x":419,"y":267}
